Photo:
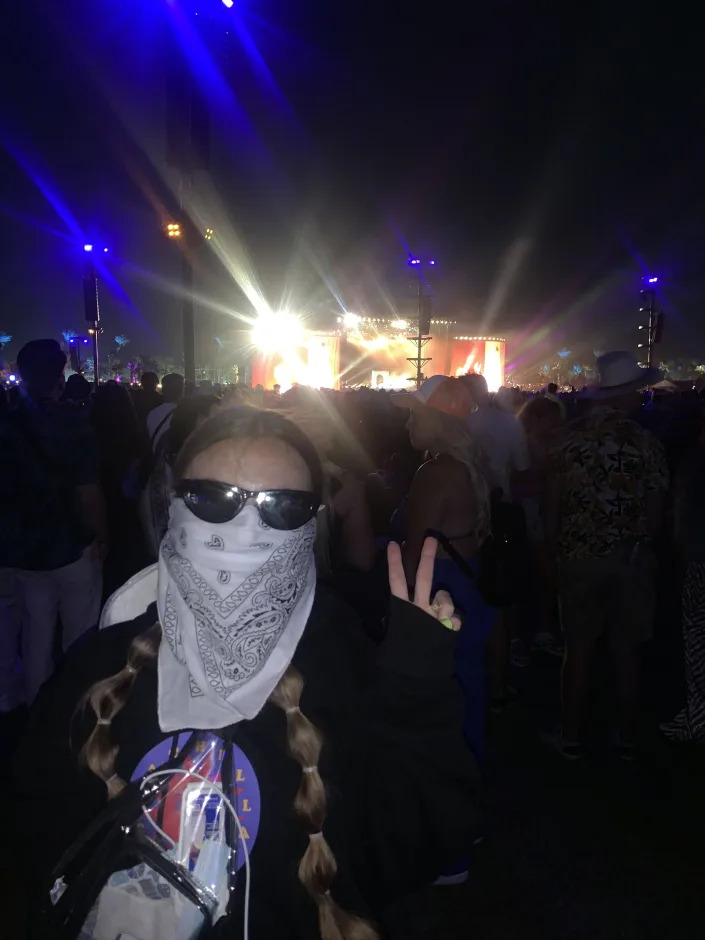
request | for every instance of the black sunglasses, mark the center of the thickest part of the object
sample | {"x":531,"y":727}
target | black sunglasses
{"x":211,"y":501}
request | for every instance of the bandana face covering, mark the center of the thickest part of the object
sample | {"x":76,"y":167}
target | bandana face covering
{"x":233,"y":602}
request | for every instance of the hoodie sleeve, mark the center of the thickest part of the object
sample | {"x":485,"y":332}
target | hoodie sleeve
{"x":416,"y":806}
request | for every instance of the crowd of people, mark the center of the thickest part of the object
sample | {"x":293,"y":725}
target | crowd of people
{"x":308,"y":604}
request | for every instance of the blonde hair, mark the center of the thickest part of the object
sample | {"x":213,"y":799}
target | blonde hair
{"x":450,"y":435}
{"x":317,"y":867}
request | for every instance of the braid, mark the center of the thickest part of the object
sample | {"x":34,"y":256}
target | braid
{"x":318,"y":867}
{"x":107,"y":697}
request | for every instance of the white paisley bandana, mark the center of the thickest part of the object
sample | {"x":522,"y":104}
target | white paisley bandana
{"x":233,"y":603}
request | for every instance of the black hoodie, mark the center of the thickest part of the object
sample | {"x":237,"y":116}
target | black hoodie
{"x":402,"y":784}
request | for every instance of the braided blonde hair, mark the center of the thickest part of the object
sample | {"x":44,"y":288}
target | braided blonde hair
{"x":107,"y":697}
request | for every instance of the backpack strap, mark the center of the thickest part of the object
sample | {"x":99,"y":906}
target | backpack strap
{"x":159,"y":427}
{"x":453,"y":553}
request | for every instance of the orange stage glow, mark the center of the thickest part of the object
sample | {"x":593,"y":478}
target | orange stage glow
{"x":314,"y":361}
{"x":376,"y":360}
{"x":381,"y":361}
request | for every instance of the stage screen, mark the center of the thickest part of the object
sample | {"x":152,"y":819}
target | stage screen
{"x":315,"y":362}
{"x":382,"y":361}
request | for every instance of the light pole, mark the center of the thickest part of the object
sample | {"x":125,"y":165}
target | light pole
{"x":188,"y":151}
{"x":91,"y":306}
{"x":423,"y":320}
{"x":654,"y":324}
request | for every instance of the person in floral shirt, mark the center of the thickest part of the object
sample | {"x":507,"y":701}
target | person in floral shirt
{"x":609,"y":477}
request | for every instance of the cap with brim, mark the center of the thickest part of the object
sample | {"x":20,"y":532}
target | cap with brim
{"x":440,"y":392}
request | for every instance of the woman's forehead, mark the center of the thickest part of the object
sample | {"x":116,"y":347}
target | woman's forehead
{"x":263,"y":463}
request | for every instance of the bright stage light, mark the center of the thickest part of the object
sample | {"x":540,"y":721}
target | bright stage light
{"x":173,"y":230}
{"x":351,"y":321}
{"x":228,"y":3}
{"x":653,"y":280}
{"x":279,"y":332}
{"x":88,"y":247}
{"x":209,"y":234}
{"x":400,"y":325}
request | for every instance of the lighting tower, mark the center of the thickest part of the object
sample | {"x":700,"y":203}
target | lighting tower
{"x":91,"y":307}
{"x":188,"y":151}
{"x":424,"y":317}
{"x":654,"y":324}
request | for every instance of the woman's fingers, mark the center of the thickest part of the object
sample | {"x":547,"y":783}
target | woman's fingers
{"x":397,"y":578}
{"x":424,"y":573}
{"x":442,"y":609}
{"x":442,"y":606}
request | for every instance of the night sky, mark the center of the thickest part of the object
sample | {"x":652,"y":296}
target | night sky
{"x":546,"y":160}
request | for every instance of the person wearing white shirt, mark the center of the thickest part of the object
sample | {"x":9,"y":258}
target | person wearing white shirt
{"x":499,"y":433}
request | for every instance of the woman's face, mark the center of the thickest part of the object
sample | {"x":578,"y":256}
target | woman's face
{"x":265,"y":463}
{"x":421,"y":428}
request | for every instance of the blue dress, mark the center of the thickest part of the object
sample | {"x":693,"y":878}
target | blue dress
{"x":478,"y":618}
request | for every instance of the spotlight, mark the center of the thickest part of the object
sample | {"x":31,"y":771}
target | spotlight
{"x":653,"y":280}
{"x":400,"y":325}
{"x":173,"y":230}
{"x":228,"y":3}
{"x":279,"y":332}
{"x":88,"y":247}
{"x":351,"y":320}
{"x":105,"y":250}
{"x":12,"y":378}
{"x":209,"y":234}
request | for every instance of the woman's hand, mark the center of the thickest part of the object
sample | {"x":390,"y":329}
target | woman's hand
{"x":441,"y":608}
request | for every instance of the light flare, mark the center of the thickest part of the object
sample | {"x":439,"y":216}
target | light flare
{"x":277,"y":332}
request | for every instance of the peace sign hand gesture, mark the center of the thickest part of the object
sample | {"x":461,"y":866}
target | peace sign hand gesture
{"x":441,"y":608}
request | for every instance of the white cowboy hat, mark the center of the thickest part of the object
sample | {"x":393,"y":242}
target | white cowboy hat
{"x":618,"y":373}
{"x":441,"y":392}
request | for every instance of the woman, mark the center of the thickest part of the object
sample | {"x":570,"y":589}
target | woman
{"x":449,"y":496}
{"x":353,"y":786}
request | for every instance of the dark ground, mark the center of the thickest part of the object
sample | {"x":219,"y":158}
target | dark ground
{"x":599,"y":850}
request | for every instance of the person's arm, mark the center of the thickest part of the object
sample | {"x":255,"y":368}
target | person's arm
{"x":350,"y":504}
{"x":85,"y":475}
{"x":413,"y":800}
{"x":91,"y":506}
{"x":552,"y":500}
{"x":424,"y":512}
{"x":520,"y":466}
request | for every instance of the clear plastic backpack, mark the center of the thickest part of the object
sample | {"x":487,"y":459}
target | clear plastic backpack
{"x":161,"y":861}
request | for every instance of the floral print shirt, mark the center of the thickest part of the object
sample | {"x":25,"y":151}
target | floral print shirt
{"x":605,"y":465}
